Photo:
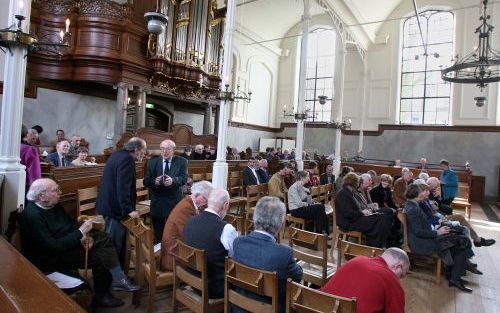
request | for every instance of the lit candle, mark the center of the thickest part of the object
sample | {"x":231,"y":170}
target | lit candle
{"x":61,"y":34}
{"x":128,"y":100}
{"x":67,"y":25}
{"x":139,"y":102}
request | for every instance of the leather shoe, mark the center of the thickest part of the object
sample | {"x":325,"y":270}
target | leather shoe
{"x":474,"y":270}
{"x":459,"y":285}
{"x":484,"y":242}
{"x":107,"y":301}
{"x":465,"y":282}
{"x":124,"y":285}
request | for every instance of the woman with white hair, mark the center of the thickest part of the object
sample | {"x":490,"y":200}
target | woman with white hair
{"x":260,"y":250}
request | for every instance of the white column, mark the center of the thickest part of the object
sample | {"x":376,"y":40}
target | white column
{"x":141,"y":108}
{"x":121,"y":110}
{"x":219,"y":178}
{"x":299,"y":145}
{"x":12,"y":116}
{"x":340,"y":95}
{"x":363,"y":108}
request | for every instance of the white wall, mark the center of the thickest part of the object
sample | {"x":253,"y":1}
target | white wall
{"x":384,"y":68}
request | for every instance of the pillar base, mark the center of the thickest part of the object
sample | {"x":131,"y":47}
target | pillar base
{"x":219,"y":174}
{"x":13,"y":192}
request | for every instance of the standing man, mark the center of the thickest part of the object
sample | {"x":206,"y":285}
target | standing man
{"x":327,"y":177}
{"x":164,"y":178}
{"x":75,"y":144}
{"x":60,"y":158}
{"x":117,"y":192}
{"x":190,"y":206}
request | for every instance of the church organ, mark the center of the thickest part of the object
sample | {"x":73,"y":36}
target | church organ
{"x":186,"y":57}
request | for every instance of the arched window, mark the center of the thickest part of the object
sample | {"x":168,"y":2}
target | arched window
{"x":319,"y":74}
{"x":425,"y":97}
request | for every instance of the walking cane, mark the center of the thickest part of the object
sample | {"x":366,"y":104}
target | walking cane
{"x":86,"y":245}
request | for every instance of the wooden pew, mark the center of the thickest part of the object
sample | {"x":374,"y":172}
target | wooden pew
{"x":25,"y":289}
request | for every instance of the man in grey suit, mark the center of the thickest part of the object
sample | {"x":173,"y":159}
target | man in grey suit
{"x":60,"y":158}
{"x":260,"y":250}
{"x":165,"y":177}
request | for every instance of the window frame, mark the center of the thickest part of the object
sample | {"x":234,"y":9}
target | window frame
{"x":427,"y":14}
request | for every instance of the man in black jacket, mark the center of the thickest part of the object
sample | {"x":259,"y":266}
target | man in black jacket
{"x":164,"y":178}
{"x":117,"y":192}
{"x":250,"y":174}
{"x":53,"y":241}
{"x":327,"y":177}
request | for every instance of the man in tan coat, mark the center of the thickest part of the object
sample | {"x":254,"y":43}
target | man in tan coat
{"x":188,"y":207}
{"x":398,"y":195}
{"x":276,"y":185}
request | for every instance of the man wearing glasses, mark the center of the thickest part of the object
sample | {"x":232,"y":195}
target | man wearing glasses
{"x":165,"y":177}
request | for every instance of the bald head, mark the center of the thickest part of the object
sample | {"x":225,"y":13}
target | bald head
{"x":45,"y":192}
{"x":397,"y":260}
{"x":433,"y":182}
{"x":167,"y":148}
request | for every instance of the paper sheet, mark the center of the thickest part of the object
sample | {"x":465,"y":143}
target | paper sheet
{"x":64,"y":281}
{"x":157,"y":247}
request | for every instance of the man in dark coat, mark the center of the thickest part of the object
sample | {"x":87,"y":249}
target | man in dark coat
{"x":60,"y":158}
{"x":117,"y":192}
{"x":165,"y":177}
{"x":250,"y":174}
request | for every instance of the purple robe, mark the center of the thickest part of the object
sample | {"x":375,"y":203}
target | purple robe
{"x":31,"y":159}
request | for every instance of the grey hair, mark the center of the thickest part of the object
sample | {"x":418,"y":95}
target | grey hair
{"x":134,"y":143}
{"x":217,"y":198}
{"x":404,"y":170}
{"x":38,"y":187}
{"x":269,"y":215}
{"x":169,"y":143}
{"x":262,"y":161}
{"x":396,"y":254}
{"x":202,"y":187}
{"x":434,"y":181}
{"x":302,"y":174}
{"x":420,"y":181}
{"x":365,"y":176}
{"x":423,"y":176}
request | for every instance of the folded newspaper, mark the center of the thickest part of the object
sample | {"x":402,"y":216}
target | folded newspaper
{"x":64,"y":281}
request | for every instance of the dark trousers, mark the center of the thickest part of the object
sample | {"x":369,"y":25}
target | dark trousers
{"x":116,"y":232}
{"x":447,"y":201}
{"x":158,"y":226}
{"x":102,"y":257}
{"x":459,"y":266}
{"x":316,"y":213}
{"x":376,"y":228}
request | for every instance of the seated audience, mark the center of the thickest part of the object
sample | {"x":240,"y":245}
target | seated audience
{"x":423,"y":164}
{"x":236,"y":154}
{"x":435,"y":196}
{"x":276,"y":185}
{"x":286,"y":155}
{"x":339,"y":182}
{"x":382,"y":194}
{"x":59,"y":137}
{"x":291,"y":175}
{"x":263,"y":171}
{"x":198,"y":153}
{"x":260,"y":250}
{"x":423,"y":240}
{"x":400,"y":185}
{"x":229,"y":153}
{"x":313,"y":175}
{"x":188,"y":150}
{"x":327,"y":177}
{"x":81,"y":160}
{"x":188,"y":207}
{"x":30,"y":157}
{"x":300,"y":204}
{"x":60,"y":158}
{"x":435,"y":218}
{"x":374,"y":282}
{"x":250,"y":174}
{"x":209,"y":231}
{"x":375,"y":178}
{"x":74,"y":145}
{"x":353,"y":215}
{"x":53,"y":242}
{"x":449,"y":182}
{"x":207,"y":152}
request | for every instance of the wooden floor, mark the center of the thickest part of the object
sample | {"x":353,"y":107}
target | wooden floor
{"x":422,"y":295}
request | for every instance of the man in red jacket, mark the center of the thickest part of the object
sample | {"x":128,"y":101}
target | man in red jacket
{"x":373,"y":281}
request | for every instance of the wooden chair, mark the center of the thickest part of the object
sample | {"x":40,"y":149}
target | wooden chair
{"x":339,"y":234}
{"x":459,"y":203}
{"x":234,"y":183}
{"x":236,"y":221}
{"x":131,"y":244}
{"x":197,"y":177}
{"x":311,"y":251}
{"x":301,"y":299}
{"x":85,"y":201}
{"x":208,"y":176}
{"x":350,"y":250}
{"x":142,"y":191}
{"x":406,"y":247}
{"x":264,"y":190}
{"x":148,"y":264}
{"x":259,"y":282}
{"x":330,"y":192}
{"x":315,"y":194}
{"x":292,"y":220}
{"x":253,"y":195}
{"x":249,"y":220}
{"x":323,"y":194}
{"x":191,"y":281}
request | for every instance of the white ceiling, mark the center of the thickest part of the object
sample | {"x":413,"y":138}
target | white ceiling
{"x":273,"y":18}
